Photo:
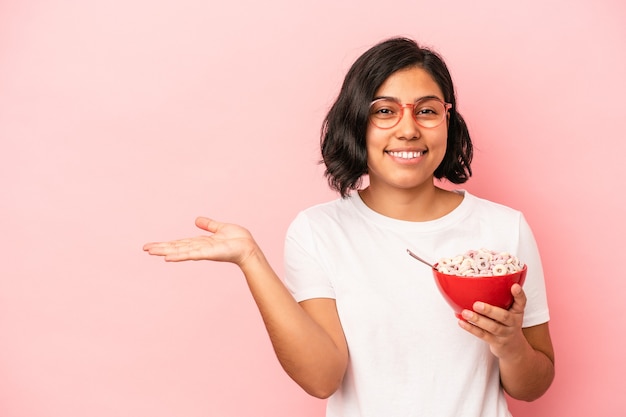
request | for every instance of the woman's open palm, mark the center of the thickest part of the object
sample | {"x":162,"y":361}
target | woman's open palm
{"x":226,"y":243}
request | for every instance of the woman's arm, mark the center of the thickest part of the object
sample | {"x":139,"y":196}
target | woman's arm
{"x":526,"y":355}
{"x":307,"y":337}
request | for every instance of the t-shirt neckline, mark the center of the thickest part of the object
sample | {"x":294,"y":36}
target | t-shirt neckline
{"x":456,"y":215}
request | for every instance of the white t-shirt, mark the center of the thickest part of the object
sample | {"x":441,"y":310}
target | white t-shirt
{"x":408,"y":356}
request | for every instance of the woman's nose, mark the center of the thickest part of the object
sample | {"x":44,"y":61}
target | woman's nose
{"x":408,"y":128}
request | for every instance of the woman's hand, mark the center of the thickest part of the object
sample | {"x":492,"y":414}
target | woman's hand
{"x":525,"y":355}
{"x":501,"y":329}
{"x":227,"y":243}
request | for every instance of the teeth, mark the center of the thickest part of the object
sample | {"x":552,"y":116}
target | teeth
{"x":405,"y":155}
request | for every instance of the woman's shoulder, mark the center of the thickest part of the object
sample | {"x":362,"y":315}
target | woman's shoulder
{"x":326,"y":218}
{"x":487,"y":207}
{"x":326,"y":211}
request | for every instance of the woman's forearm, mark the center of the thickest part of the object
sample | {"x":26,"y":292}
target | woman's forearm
{"x":528,"y":375}
{"x":311,"y":349}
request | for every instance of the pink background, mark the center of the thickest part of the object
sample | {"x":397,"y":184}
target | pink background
{"x":121,"y":121}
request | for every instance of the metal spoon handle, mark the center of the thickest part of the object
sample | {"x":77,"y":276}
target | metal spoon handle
{"x":420,"y":259}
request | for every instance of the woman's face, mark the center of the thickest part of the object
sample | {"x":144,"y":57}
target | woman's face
{"x":406,"y":155}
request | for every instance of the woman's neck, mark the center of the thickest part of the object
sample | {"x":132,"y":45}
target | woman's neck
{"x":425,"y":204}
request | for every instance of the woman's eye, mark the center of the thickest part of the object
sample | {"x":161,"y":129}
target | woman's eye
{"x":384,"y":112}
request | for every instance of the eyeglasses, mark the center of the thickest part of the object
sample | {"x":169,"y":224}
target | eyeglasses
{"x":428,"y":112}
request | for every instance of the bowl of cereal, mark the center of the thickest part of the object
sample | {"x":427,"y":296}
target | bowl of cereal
{"x":479,"y":275}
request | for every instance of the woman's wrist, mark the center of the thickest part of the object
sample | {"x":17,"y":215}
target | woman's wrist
{"x":253,"y":259}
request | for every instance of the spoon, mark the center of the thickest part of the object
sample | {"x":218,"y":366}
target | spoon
{"x":420,"y":259}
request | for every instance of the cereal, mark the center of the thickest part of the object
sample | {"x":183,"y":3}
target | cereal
{"x":482,"y":263}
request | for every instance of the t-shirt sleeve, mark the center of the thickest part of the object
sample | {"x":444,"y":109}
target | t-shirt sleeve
{"x":536,"y":311}
{"x":306,"y":276}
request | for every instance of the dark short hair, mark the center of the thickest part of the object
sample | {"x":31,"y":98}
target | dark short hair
{"x":343,"y":132}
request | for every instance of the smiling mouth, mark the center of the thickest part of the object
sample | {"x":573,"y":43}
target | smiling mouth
{"x":406,"y":155}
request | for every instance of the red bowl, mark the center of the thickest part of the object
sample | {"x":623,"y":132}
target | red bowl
{"x":462,"y":292}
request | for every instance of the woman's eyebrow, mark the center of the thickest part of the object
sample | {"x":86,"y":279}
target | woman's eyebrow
{"x":431,"y":96}
{"x":387,"y":98}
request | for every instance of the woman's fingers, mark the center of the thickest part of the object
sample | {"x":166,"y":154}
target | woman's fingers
{"x":201,"y":247}
{"x":510,"y":317}
{"x":519,"y":299}
{"x":207,"y":224}
{"x":171,"y":249}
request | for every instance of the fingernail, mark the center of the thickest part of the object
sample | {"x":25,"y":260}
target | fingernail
{"x":479,"y":306}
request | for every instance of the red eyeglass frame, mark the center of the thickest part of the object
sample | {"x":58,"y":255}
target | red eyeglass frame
{"x":446,"y":106}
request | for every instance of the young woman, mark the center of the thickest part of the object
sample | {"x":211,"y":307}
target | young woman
{"x":355,"y":318}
